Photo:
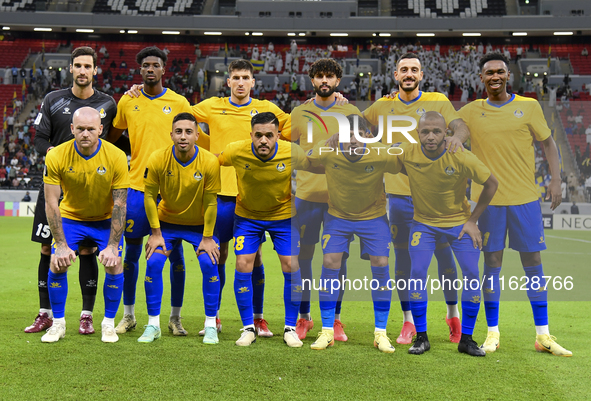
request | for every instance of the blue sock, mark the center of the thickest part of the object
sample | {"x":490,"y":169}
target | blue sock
{"x":446,"y":266}
{"x":211,"y":284}
{"x":402,"y":272}
{"x":342,"y":277}
{"x":222,"y":276}
{"x":131,"y":268}
{"x":538,"y":297}
{"x":177,"y":275}
{"x":292,"y":296}
{"x":382,"y":296}
{"x":153,"y":283}
{"x":243,"y":293}
{"x":306,"y":274}
{"x":421,"y":259}
{"x":468,"y":261}
{"x":112,"y":290}
{"x":491,"y":293}
{"x":57,"y":284}
{"x":327,"y":296}
{"x":258,"y":288}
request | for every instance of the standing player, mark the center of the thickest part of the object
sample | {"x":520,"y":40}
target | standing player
{"x":438,"y":180}
{"x":311,"y":193}
{"x":229,"y":121}
{"x":188,"y":179}
{"x":263,"y":170}
{"x":502,"y":127}
{"x":93,"y":175}
{"x":412,"y":102}
{"x":147,"y":119}
{"x":53,"y":128}
{"x":356,"y":205}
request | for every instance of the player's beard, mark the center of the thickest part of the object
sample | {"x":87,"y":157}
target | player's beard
{"x":438,"y":145}
{"x":409,"y":89}
{"x":83,"y":84}
{"x":324,"y":92}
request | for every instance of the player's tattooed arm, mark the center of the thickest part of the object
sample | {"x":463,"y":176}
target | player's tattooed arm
{"x":109,"y":256}
{"x":461,"y":133}
{"x":63,"y":256}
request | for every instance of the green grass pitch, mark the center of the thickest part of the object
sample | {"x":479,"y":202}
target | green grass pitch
{"x":81,"y":367}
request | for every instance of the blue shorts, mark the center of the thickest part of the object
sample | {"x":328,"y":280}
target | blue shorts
{"x":249,"y":234}
{"x":137,"y":224}
{"x":97,"y":232}
{"x":310,"y":216}
{"x":425,"y":238}
{"x":172,"y":233}
{"x":401,"y":212}
{"x":224,"y":224}
{"x":523,"y":223}
{"x":373,"y":235}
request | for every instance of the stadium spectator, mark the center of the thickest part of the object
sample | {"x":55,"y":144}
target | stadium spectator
{"x":584,"y":52}
{"x":10,"y":124}
{"x":574,"y":209}
{"x":26,"y":198}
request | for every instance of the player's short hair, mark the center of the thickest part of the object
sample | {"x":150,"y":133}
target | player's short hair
{"x":151,"y":51}
{"x":493,"y":56}
{"x":325,"y":66}
{"x":264,"y":118}
{"x":241,"y":64}
{"x":363,"y":125}
{"x":184,"y":116}
{"x":84,"y":51}
{"x":432,"y":115}
{"x":409,"y":56}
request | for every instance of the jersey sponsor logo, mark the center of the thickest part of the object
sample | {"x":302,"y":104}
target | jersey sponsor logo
{"x":91,"y":283}
{"x":39,"y":117}
{"x":214,"y":279}
{"x":55,"y":285}
{"x":148,"y":279}
{"x":146,"y":173}
{"x":101,"y":170}
{"x":112,"y":286}
{"x":298,"y":288}
{"x":518,"y":113}
{"x":281,"y":167}
{"x":253,"y":112}
{"x":369,"y":169}
{"x":449,"y":170}
{"x":475,"y":299}
{"x":541,"y":240}
{"x":166,"y":109}
{"x":416,"y":295}
{"x":242,"y":290}
{"x":102,"y":113}
{"x":45,"y":171}
{"x":198,"y":176}
{"x":421,"y":111}
{"x":66,"y":110}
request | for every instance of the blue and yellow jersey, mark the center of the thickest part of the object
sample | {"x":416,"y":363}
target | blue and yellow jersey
{"x":229,"y":122}
{"x":355,"y":189}
{"x":181,"y":185}
{"x":438,"y":186}
{"x":87,"y":181}
{"x":426,"y":101}
{"x":312,"y":187}
{"x":264,"y":186}
{"x":148,"y":121}
{"x":502,"y":137}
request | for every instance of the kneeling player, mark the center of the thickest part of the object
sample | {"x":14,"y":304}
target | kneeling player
{"x":355,"y":206}
{"x":89,"y":172}
{"x":438,"y":182}
{"x":188,"y":179}
{"x":263,"y":169}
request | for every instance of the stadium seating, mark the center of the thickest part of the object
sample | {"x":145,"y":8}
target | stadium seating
{"x":18,"y":5}
{"x":447,"y":8}
{"x":148,"y":7}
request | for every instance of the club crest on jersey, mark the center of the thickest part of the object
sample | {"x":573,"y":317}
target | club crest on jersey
{"x":253,"y":112}
{"x":198,"y":176}
{"x":421,"y":111}
{"x":66,"y":110}
{"x":166,"y":109}
{"x":336,"y":166}
{"x":136,"y":108}
{"x":70,"y":170}
{"x":518,"y":113}
{"x":449,"y":170}
{"x":101,"y":170}
{"x":169,"y":173}
{"x":102,"y":113}
{"x":247,"y":166}
{"x":483,"y":115}
{"x":281,"y":167}
{"x":368,"y":169}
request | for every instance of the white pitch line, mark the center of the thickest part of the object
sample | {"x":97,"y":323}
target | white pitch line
{"x":570,"y":239}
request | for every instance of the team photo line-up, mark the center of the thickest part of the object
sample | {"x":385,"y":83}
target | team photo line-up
{"x":407,"y":191}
